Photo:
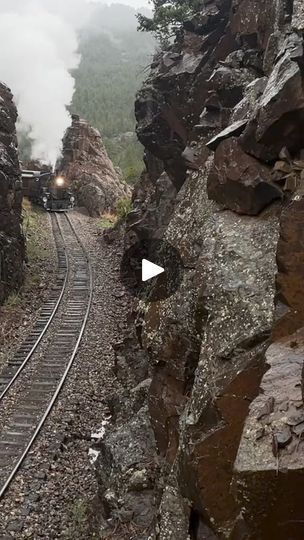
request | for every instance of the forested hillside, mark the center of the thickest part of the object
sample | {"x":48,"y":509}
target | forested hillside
{"x":114,"y":59}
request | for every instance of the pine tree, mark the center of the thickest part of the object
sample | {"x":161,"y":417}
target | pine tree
{"x":168,"y":17}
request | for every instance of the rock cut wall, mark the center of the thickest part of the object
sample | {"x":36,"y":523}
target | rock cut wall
{"x":221,"y":113}
{"x":12,"y":249}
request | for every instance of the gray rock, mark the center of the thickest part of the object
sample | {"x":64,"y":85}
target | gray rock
{"x":86,"y":164}
{"x":174,"y":515}
{"x":126,"y":469}
{"x":227,"y":295}
{"x":15,"y":526}
{"x":298,"y":15}
{"x":280,"y":111}
{"x":234,"y":130}
{"x":245,"y":108}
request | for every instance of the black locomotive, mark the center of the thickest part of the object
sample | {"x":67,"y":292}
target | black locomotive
{"x":48,"y":190}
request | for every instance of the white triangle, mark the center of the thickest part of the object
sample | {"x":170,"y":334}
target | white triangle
{"x":150,"y":270}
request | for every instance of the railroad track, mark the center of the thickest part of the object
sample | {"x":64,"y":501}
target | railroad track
{"x":34,"y":377}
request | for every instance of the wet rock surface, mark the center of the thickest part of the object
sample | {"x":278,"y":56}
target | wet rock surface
{"x":12,"y":249}
{"x":222,"y":110}
{"x":239,"y":182}
{"x":89,"y":170}
{"x":269,"y":465}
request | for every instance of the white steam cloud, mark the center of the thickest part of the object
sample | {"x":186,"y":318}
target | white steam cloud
{"x":38,"y":50}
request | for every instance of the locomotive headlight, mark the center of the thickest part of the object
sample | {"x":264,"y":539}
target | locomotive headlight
{"x":59,"y":181}
{"x":72,"y":199}
{"x":44,"y":199}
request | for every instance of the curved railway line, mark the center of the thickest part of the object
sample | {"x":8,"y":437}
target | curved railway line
{"x":38,"y":370}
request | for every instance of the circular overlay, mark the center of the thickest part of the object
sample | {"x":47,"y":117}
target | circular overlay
{"x":157,"y":252}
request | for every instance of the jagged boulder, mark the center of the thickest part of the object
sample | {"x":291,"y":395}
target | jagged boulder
{"x":269,"y":478}
{"x":126,"y":470}
{"x":279,"y":114}
{"x":171,"y":100}
{"x":152,"y":210}
{"x":88,"y":168}
{"x":12,"y":248}
{"x":240,"y":182}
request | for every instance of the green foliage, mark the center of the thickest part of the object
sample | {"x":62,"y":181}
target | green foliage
{"x":34,"y":230}
{"x":107,"y":221}
{"x":79,"y":523}
{"x":168,"y":17}
{"x":110,"y":73}
{"x":13,"y":301}
{"x":127,"y":154}
{"x":123,"y":207}
{"x":115,"y":59}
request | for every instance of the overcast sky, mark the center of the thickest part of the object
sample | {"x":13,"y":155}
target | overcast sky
{"x":133,"y":3}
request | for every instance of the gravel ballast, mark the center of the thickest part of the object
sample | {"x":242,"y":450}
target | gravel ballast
{"x":54,"y":494}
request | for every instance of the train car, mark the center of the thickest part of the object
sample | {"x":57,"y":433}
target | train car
{"x":48,"y":190}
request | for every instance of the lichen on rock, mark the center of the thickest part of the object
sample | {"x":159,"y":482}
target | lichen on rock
{"x":222,"y":113}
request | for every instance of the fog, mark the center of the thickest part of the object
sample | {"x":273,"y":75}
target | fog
{"x":38,"y":49}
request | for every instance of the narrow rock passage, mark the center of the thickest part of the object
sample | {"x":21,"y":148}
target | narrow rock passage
{"x":51,"y":495}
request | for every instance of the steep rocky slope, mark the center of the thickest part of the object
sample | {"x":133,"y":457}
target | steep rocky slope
{"x":86,"y":165}
{"x":216,"y":370}
{"x":11,"y":237}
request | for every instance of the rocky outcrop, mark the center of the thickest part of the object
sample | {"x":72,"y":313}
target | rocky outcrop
{"x":12,"y":250}
{"x":239,"y":182}
{"x":222,"y":111}
{"x":269,"y":466}
{"x":88,"y":168}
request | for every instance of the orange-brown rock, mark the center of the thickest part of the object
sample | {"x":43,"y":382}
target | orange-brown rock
{"x":290,"y":277}
{"x":88,"y":168}
{"x":269,"y":474}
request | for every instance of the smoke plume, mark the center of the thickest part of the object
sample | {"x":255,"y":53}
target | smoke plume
{"x":38,"y":51}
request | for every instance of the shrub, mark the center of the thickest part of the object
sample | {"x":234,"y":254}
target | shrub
{"x":168,"y":17}
{"x":123,"y":207}
{"x":107,"y":221}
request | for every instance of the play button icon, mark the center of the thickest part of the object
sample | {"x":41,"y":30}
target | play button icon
{"x":151,"y":270}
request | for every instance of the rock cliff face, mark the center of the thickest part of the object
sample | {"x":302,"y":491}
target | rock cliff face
{"x":222,"y":113}
{"x":11,"y":237}
{"x":88,"y":168}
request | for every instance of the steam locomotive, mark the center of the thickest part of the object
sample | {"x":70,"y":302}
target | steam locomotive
{"x":48,"y":190}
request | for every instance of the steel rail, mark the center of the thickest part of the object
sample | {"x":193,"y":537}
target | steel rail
{"x":50,"y":406}
{"x":46,"y":327}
